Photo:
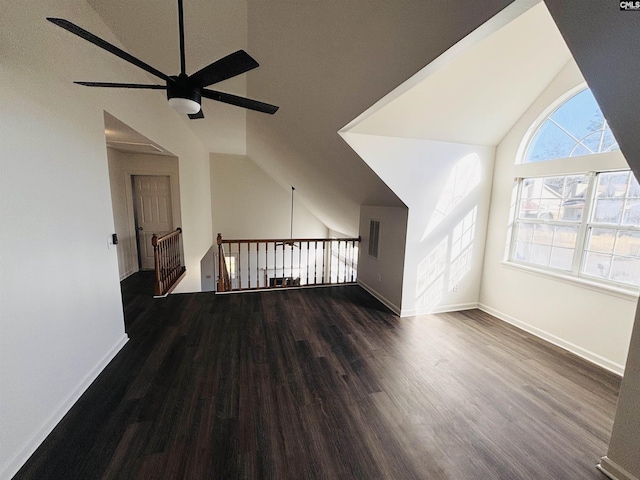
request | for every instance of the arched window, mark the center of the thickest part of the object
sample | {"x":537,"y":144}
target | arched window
{"x":577,"y":127}
{"x":575,"y":222}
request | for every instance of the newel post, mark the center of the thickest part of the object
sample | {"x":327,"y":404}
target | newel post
{"x":220,"y":265}
{"x":156,"y":260}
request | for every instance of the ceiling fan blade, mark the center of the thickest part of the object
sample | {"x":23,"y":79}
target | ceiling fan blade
{"x":196,"y":116}
{"x":227,"y":67}
{"x":239,"y":101}
{"x":82,"y":33}
{"x":183,"y":61}
{"x":122,"y":85}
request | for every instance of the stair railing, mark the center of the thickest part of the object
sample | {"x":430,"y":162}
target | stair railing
{"x":224,"y":281}
{"x":256,"y":264}
{"x":167,"y":252}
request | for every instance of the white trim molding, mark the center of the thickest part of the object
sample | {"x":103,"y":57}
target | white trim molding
{"x":458,"y":307}
{"x":614,"y":471}
{"x":34,"y":442}
{"x":559,"y":342}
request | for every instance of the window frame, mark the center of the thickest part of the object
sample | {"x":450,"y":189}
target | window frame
{"x":585,"y":225}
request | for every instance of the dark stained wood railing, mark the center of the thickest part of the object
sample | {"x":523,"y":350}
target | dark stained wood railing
{"x":258,"y":264}
{"x":224,"y":282}
{"x":167,"y":251}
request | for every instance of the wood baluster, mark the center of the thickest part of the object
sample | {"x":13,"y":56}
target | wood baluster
{"x":324,"y":254}
{"x":353,"y":251}
{"x":307,"y":269}
{"x":220,"y":265}
{"x":239,"y":268}
{"x":156,"y":261}
{"x":346,"y":249}
{"x":300,"y":264}
{"x":266,"y":264}
{"x":315,"y":263}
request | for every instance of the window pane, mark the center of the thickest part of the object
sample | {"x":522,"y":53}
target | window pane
{"x":626,"y":270}
{"x":540,"y":254}
{"x":549,"y":209}
{"x":575,"y":128}
{"x":543,"y":234}
{"x":579,"y":149}
{"x":548,"y":143}
{"x":522,"y":252}
{"x":634,"y":188}
{"x":553,"y":198}
{"x":609,"y":143}
{"x":525,"y":232}
{"x":608,"y":211}
{"x":631,"y":214}
{"x":597,"y":265}
{"x":561,"y":258}
{"x":601,"y":240}
{"x":580,"y":115}
{"x":612,"y":184}
{"x":628,"y":244}
{"x":565,"y":237}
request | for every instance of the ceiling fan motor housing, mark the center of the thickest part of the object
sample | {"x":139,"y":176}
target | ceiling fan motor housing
{"x":180,"y":87}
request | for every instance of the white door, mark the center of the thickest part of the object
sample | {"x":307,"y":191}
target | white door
{"x":153,"y":213}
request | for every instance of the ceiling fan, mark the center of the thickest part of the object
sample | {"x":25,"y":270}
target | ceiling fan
{"x":184,"y":92}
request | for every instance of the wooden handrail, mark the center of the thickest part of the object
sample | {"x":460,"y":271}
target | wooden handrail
{"x":167,"y":254}
{"x":289,"y":240}
{"x":256,"y":264}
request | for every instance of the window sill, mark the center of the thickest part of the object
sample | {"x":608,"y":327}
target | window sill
{"x":620,"y":292}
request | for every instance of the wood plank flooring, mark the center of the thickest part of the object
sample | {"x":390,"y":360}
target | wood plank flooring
{"x":327,"y":384}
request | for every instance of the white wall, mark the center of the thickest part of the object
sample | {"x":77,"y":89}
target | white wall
{"x":122,"y":166}
{"x":60,"y":307}
{"x":382,"y":276}
{"x":424,"y":174}
{"x":589,"y":321}
{"x":248,"y":203}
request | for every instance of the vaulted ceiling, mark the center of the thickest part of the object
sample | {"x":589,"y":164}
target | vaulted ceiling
{"x":323,"y":63}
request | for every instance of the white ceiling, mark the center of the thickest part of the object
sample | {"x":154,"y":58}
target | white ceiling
{"x":123,"y":138}
{"x":477,"y":97}
{"x":324,"y":63}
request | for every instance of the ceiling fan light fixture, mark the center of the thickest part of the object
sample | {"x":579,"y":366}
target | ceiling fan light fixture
{"x":184,"y":105}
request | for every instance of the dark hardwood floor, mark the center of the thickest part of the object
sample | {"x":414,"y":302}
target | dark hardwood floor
{"x":326,"y":383}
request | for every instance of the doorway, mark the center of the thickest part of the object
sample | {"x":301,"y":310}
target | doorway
{"x":153,"y":204}
{"x":152,"y":213}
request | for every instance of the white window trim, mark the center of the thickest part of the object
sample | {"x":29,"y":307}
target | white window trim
{"x":574,"y":276}
{"x":585,"y":282}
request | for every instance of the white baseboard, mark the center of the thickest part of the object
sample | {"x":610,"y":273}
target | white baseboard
{"x":458,"y":307}
{"x":12,"y":467}
{"x":387,"y":303}
{"x":571,"y":347}
{"x":614,"y":471}
{"x":127,"y":274}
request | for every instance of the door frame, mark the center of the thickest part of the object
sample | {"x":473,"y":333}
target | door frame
{"x":130,"y":203}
